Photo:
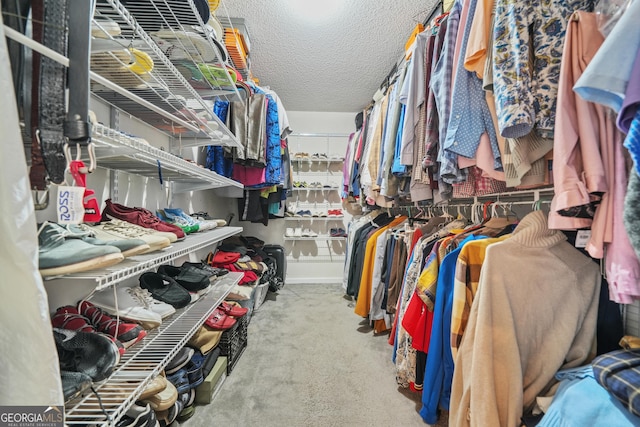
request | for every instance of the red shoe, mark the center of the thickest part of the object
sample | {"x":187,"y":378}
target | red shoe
{"x":68,"y":318}
{"x":127,"y":333}
{"x":232,"y":310}
{"x":220,"y":321}
{"x":139,"y":216}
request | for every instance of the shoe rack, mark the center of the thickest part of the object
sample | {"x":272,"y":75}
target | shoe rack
{"x":144,"y":361}
{"x":164,"y":101}
{"x":315,"y":205}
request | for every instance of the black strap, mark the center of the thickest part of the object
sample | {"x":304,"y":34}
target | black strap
{"x":49,"y":110}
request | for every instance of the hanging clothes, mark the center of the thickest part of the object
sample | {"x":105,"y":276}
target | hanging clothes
{"x":519,"y":331}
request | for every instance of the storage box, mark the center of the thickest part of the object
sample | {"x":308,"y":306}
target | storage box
{"x":233,"y":342}
{"x":206,"y":391}
{"x":260,"y":295}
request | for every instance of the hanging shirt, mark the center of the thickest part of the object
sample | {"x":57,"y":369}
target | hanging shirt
{"x":273,"y":159}
{"x":605,"y":79}
{"x":527,"y":52}
{"x":438,"y":373}
{"x":470,"y":116}
{"x":441,"y":80}
{"x":413,"y":95}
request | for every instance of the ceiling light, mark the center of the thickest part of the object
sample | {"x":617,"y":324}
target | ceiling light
{"x":314,"y":10}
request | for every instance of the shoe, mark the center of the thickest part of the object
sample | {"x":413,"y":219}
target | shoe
{"x":60,"y":252}
{"x":180,"y":380}
{"x":306,"y":233}
{"x":299,"y":213}
{"x":127,"y":333}
{"x":150,"y":303}
{"x":232,"y":310}
{"x":220,"y":321}
{"x":163,"y":400}
{"x":68,"y":317}
{"x":190,"y":278}
{"x":179,"y":361}
{"x":306,"y":214}
{"x":118,"y":229}
{"x":194,"y":372}
{"x":297,"y":232}
{"x":157,"y":385}
{"x":88,"y":353}
{"x":128,"y":247}
{"x":168,"y":416}
{"x":139,"y":216}
{"x":187,"y":227}
{"x":186,"y":413}
{"x":130,"y":306}
{"x":74,"y":384}
{"x":202,"y":225}
{"x":136,"y":416}
{"x":213,"y":271}
{"x":165,"y":289}
{"x":311,"y":233}
{"x":288,"y":232}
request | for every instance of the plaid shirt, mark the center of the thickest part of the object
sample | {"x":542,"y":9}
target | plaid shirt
{"x":465,"y":286}
{"x":478,"y":185}
{"x":619,"y":372}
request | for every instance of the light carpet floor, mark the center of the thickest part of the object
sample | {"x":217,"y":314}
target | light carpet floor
{"x":311,"y":361}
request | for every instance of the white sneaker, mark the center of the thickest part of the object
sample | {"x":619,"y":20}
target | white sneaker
{"x":130,"y":306}
{"x":155,"y":239}
{"x":305,"y":233}
{"x":289,"y":232}
{"x":162,"y":308}
{"x":312,"y":233}
{"x":297,"y":232}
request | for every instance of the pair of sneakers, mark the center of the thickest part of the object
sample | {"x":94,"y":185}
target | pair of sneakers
{"x":188,"y":223}
{"x":65,"y":251}
{"x":87,"y":317}
{"x":84,"y":357}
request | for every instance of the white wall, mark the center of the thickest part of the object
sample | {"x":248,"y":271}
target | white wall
{"x":318,"y":261}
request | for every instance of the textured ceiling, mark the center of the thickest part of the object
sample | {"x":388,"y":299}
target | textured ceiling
{"x":333,"y":63}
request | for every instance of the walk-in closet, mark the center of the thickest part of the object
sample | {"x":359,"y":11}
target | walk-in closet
{"x":304,"y":213}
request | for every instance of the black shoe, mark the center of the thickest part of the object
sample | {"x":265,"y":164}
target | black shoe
{"x":179,"y":361}
{"x":137,"y":416}
{"x":74,"y":384}
{"x":165,"y":289}
{"x":190,"y":278}
{"x":89,"y":353}
{"x":213,"y":271}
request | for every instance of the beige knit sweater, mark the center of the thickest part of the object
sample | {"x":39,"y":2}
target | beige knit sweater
{"x":535,"y":313}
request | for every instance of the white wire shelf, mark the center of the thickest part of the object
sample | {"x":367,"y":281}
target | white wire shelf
{"x":115,"y":150}
{"x":145,"y":360}
{"x":312,"y":218}
{"x":310,"y":160}
{"x":319,"y":237}
{"x":134,"y":266}
{"x":138,"y":72}
{"x":314,"y":188}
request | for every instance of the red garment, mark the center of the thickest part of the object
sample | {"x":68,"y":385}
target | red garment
{"x":249,"y":277}
{"x":417,"y":234}
{"x":417,"y":321}
{"x":222,"y":257}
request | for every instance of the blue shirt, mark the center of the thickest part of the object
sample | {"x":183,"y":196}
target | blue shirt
{"x":441,"y":85}
{"x":632,"y":141}
{"x":470,"y":115}
{"x":438,"y":373}
{"x":273,"y":161}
